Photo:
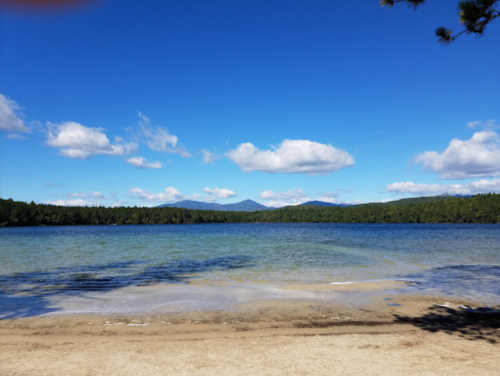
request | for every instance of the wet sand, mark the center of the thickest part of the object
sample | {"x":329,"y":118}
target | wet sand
{"x":401,"y":335}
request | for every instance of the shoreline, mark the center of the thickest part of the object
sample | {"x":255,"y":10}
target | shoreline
{"x":417,"y":335}
{"x":254,"y":223}
{"x":204,"y":295}
{"x":209,"y":296}
{"x":372,"y":327}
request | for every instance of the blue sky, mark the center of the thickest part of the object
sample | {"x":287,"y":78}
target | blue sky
{"x":119,"y":102}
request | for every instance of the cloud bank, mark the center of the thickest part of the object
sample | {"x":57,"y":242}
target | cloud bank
{"x":297,"y":197}
{"x":218,"y":193}
{"x":477,"y":157}
{"x":473,"y":188}
{"x":76,"y":202}
{"x":170,"y":194}
{"x":80,"y":202}
{"x":279,"y":199}
{"x":94,"y":198}
{"x":292,"y":157}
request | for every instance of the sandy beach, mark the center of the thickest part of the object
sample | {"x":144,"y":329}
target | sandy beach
{"x":418,"y":335}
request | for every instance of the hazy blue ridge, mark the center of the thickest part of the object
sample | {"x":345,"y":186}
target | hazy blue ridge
{"x":246,"y":205}
{"x":322,"y":203}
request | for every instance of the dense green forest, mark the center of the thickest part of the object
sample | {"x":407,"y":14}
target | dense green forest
{"x":420,"y":200}
{"x":477,"y":209}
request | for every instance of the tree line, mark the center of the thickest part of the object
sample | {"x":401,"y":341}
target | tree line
{"x":477,"y":209}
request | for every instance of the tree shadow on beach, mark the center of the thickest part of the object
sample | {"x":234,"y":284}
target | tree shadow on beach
{"x":469,"y":282}
{"x":33,"y":293}
{"x":482,"y":323}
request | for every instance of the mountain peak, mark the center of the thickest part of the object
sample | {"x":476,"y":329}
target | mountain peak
{"x":246,"y":205}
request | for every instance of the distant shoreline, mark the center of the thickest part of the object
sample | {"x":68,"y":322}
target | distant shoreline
{"x":257,"y":223}
{"x":476,"y":209}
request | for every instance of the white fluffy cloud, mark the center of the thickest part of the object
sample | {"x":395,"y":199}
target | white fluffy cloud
{"x":209,"y":157}
{"x":279,"y":199}
{"x":476,"y":187}
{"x":218,"y":193}
{"x":292,"y":157}
{"x":77,"y":141}
{"x":9,"y":116}
{"x":477,"y":157}
{"x":159,"y":139}
{"x":141,"y":162}
{"x":170,"y":194}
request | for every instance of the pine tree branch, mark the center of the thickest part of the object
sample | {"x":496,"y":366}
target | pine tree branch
{"x":476,"y":28}
{"x":474,"y":14}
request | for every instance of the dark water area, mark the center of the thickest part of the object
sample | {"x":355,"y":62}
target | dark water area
{"x":84,"y":278}
{"x":466,"y":281}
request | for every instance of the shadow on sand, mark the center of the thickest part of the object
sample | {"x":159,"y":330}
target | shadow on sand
{"x":473,"y":282}
{"x":32,"y":293}
{"x":482,"y":323}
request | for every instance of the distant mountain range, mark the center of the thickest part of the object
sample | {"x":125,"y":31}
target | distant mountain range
{"x":250,"y":206}
{"x":247,"y":206}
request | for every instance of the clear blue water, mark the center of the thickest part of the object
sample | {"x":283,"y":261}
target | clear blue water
{"x":278,"y":253}
{"x":54,"y":261}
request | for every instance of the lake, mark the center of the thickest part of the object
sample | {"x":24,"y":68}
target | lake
{"x":55,"y":262}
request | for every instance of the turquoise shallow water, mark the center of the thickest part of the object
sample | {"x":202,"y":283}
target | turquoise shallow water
{"x":55,"y":261}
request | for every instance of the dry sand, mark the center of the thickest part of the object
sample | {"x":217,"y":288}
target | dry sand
{"x":260,"y":338}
